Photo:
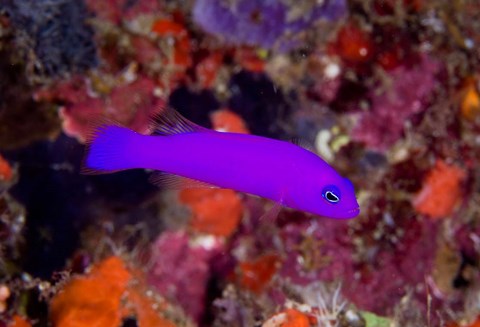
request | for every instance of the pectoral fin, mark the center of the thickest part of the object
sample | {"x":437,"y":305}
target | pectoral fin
{"x":271,"y":214}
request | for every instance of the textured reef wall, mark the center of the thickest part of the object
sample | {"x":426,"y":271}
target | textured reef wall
{"x":386,"y":91}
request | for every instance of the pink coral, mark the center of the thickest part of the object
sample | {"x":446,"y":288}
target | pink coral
{"x":395,"y":272}
{"x":131,"y":104}
{"x":410,"y":90}
{"x":116,"y":10}
{"x":327,"y":251}
{"x":181,"y":271}
{"x":324,"y":253}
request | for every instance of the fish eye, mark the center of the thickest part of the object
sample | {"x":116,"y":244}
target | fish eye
{"x":331,"y":194}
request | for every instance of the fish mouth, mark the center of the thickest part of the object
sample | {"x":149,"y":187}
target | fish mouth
{"x":357,"y":209}
{"x":348,"y":214}
{"x":353,"y":212}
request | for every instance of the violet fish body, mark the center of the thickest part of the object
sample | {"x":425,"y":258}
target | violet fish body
{"x":277,"y":170}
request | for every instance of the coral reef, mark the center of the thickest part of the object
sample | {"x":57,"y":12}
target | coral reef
{"x":131,"y":104}
{"x":187,"y":285}
{"x":54,"y":33}
{"x":268,"y":24}
{"x":97,"y":299}
{"x":386,"y":91}
{"x":440,"y":179}
{"x":215,"y":212}
{"x":383,"y":125}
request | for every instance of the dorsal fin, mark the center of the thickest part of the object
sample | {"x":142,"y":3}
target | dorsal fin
{"x":170,"y":122}
{"x":303,"y":144}
{"x":175,"y":182}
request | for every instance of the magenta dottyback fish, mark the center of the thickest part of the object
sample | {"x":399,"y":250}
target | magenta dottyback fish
{"x":281,"y":171}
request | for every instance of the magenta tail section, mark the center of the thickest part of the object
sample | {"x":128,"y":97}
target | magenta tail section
{"x":110,"y":150}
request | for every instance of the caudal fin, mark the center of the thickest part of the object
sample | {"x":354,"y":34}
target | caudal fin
{"x":109,"y":150}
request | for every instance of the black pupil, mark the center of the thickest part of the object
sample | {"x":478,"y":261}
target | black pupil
{"x":331,"y":197}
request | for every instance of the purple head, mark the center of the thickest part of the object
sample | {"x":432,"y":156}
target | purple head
{"x":324,"y":193}
{"x":339,"y":200}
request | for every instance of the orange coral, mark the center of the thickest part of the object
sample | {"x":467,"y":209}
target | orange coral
{"x":452,"y":324}
{"x":416,"y":5}
{"x":257,"y":274}
{"x":92,"y":300}
{"x":206,"y":70}
{"x":475,"y":323}
{"x":228,"y":121}
{"x":4,"y":295}
{"x":98,"y":299}
{"x":214,"y":211}
{"x":6,"y":172}
{"x":288,"y":318}
{"x":441,"y":191}
{"x":248,"y":59}
{"x":470,"y":100}
{"x":18,"y":321}
{"x":176,"y":52}
{"x":353,"y":44}
{"x":146,"y":313}
{"x":168,"y":28}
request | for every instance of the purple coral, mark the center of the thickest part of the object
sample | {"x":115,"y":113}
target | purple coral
{"x":410,"y":90}
{"x":266,"y":23}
